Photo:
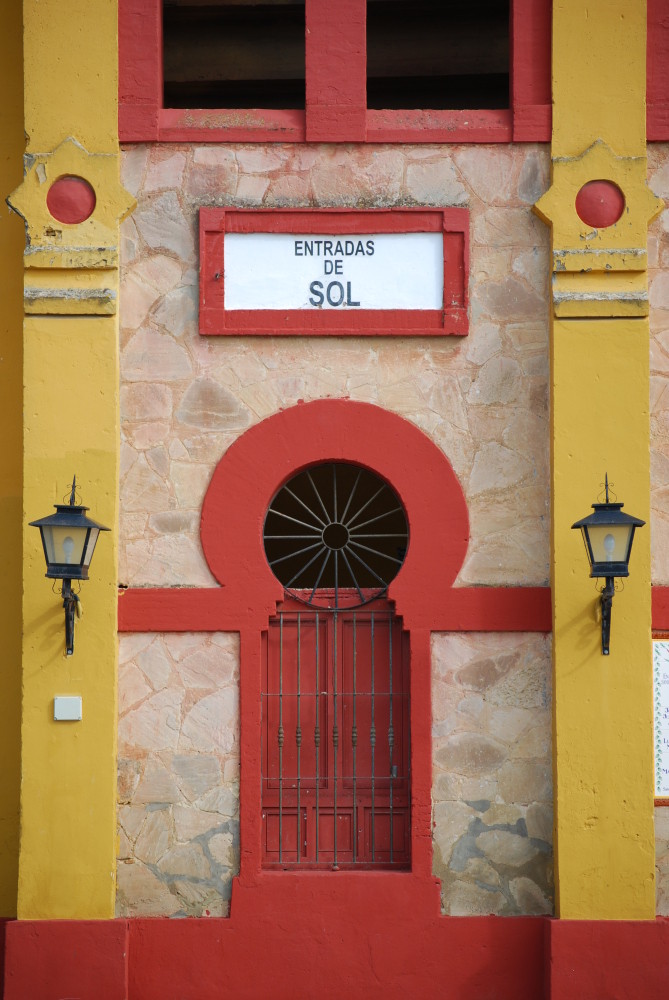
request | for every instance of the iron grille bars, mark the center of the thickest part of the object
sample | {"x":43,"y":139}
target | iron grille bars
{"x":342,"y":801}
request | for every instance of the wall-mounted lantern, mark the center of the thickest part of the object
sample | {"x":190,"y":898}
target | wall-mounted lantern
{"x":608,"y":535}
{"x":69,"y":538}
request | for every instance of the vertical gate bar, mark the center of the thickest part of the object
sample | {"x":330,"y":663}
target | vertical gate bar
{"x":317,"y":733}
{"x":336,"y":562}
{"x":391,"y":732}
{"x":280,"y":737}
{"x":334,"y":518}
{"x":335,"y":733}
{"x":354,"y":743}
{"x":335,"y":730}
{"x":372,"y":738}
{"x":298,"y":735}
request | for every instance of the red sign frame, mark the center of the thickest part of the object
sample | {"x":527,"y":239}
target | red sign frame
{"x":451,"y":319}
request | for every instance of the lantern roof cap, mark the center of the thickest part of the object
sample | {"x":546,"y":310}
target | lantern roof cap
{"x":608,"y":514}
{"x":68,"y":515}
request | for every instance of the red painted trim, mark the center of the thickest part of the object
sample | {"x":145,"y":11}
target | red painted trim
{"x":533,"y":123}
{"x":175,"y":609}
{"x":216,"y":320}
{"x":56,"y":959}
{"x":531,"y":70}
{"x":660,"y":608}
{"x":599,"y":203}
{"x":661,"y":802}
{"x":336,"y":70}
{"x":268,"y":454}
{"x":335,"y":75}
{"x":375,"y":936}
{"x":230,"y":125}
{"x":590,"y":960}
{"x":70,"y":200}
{"x":327,"y":323}
{"x":384,"y":945}
{"x":338,"y":220}
{"x":3,"y":947}
{"x":205,"y":609}
{"x":439,"y":126}
{"x":140,"y":91}
{"x":657,"y":71}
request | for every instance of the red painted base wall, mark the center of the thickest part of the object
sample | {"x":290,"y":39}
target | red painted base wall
{"x":378,"y":942}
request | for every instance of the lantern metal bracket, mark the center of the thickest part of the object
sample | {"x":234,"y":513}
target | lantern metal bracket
{"x":72,"y":607}
{"x":607,"y":600}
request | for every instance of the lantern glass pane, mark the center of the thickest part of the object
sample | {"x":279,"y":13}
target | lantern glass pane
{"x":64,"y":545}
{"x":92,"y":539}
{"x":610,"y":543}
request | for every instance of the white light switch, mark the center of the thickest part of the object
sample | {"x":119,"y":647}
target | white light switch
{"x":67,"y":708}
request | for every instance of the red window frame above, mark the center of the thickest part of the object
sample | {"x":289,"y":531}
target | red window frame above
{"x":451,"y":319}
{"x":657,"y":71}
{"x":336,"y":104}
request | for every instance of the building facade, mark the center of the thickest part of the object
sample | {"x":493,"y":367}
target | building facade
{"x":340,"y":375}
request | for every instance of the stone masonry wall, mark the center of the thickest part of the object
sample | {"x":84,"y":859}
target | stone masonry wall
{"x":483,"y":399}
{"x":492,"y":781}
{"x":178,"y":774}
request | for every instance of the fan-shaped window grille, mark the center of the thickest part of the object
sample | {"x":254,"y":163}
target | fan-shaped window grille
{"x":336,"y":535}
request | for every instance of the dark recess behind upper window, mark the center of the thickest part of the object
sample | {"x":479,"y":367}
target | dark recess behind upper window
{"x":233,"y":54}
{"x":437,"y":54}
{"x":421,"y":54}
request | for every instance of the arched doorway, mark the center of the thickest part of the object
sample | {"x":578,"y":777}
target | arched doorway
{"x":243,"y":487}
{"x":335,"y":688}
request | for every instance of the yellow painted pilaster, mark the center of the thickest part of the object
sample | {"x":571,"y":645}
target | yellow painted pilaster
{"x":11,"y":338}
{"x":599,"y":75}
{"x":68,"y":787}
{"x":603,"y":760}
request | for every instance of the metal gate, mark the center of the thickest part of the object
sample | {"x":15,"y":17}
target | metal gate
{"x":335,"y":739}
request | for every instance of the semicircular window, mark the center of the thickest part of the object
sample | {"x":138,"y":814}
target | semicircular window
{"x":336,"y":535}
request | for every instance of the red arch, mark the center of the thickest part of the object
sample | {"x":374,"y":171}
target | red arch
{"x":262,"y":459}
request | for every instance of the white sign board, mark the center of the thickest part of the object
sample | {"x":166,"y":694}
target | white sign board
{"x":661,"y":707}
{"x":292,"y":271}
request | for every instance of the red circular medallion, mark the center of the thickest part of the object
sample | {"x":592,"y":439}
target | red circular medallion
{"x":600,"y":203}
{"x":70,"y":200}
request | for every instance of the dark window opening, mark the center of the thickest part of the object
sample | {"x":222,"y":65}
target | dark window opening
{"x":233,"y":54}
{"x":438,"y":55}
